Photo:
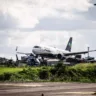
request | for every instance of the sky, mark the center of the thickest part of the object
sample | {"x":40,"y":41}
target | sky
{"x":25,"y":23}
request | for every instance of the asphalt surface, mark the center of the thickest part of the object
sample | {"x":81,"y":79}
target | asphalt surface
{"x":47,"y":89}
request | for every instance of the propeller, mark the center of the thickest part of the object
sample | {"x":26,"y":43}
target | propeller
{"x":17,"y":60}
{"x":16,"y":48}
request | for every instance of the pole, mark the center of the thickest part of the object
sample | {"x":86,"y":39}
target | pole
{"x":88,"y":52}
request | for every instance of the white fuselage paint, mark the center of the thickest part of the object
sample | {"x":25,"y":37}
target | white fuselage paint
{"x":48,"y":50}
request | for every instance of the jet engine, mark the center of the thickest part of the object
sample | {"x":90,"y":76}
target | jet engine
{"x":61,"y":56}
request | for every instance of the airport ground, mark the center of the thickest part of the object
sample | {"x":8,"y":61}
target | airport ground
{"x":47,"y":89}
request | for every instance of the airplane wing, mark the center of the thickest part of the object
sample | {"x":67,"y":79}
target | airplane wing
{"x":76,"y":53}
{"x":24,"y":53}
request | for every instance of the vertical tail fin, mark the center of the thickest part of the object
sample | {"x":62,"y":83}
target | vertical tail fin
{"x":69,"y":45}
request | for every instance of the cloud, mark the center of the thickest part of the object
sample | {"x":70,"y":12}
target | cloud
{"x":7,"y":21}
{"x":90,"y":15}
{"x":29,"y":12}
{"x":63,"y":24}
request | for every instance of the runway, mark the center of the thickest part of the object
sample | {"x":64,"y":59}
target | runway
{"x":47,"y":89}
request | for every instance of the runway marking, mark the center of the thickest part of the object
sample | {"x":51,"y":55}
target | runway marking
{"x":23,"y":85}
{"x":80,"y":92}
{"x":76,"y":93}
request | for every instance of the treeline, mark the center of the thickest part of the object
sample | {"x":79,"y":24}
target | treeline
{"x":7,"y":62}
{"x":60,"y":72}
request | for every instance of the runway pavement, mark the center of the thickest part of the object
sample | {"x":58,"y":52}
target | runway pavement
{"x":47,"y":89}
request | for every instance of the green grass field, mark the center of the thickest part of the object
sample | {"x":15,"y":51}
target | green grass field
{"x":10,"y":70}
{"x":85,"y":72}
{"x":83,"y":67}
{"x":16,"y":69}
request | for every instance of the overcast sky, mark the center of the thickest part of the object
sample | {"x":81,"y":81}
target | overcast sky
{"x":25,"y":23}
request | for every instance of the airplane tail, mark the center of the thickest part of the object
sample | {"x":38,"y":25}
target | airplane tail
{"x":69,"y":45}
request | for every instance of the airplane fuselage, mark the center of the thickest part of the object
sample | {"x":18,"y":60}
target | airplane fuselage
{"x":47,"y":50}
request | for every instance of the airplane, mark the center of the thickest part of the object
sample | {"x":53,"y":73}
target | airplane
{"x":53,"y":52}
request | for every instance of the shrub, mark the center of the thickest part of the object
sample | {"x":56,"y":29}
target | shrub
{"x":2,"y":77}
{"x":59,"y":65}
{"x":16,"y":77}
{"x":29,"y":73}
{"x":61,"y":69}
{"x":44,"y":74}
{"x":5,"y":76}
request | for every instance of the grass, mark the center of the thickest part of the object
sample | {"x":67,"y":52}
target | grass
{"x":83,"y":66}
{"x":17,"y":69}
{"x":9,"y":70}
{"x":78,"y":73}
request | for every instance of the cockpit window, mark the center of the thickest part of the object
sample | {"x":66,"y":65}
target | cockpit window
{"x":37,"y":47}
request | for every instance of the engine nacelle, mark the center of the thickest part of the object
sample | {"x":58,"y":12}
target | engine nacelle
{"x":60,"y":56}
